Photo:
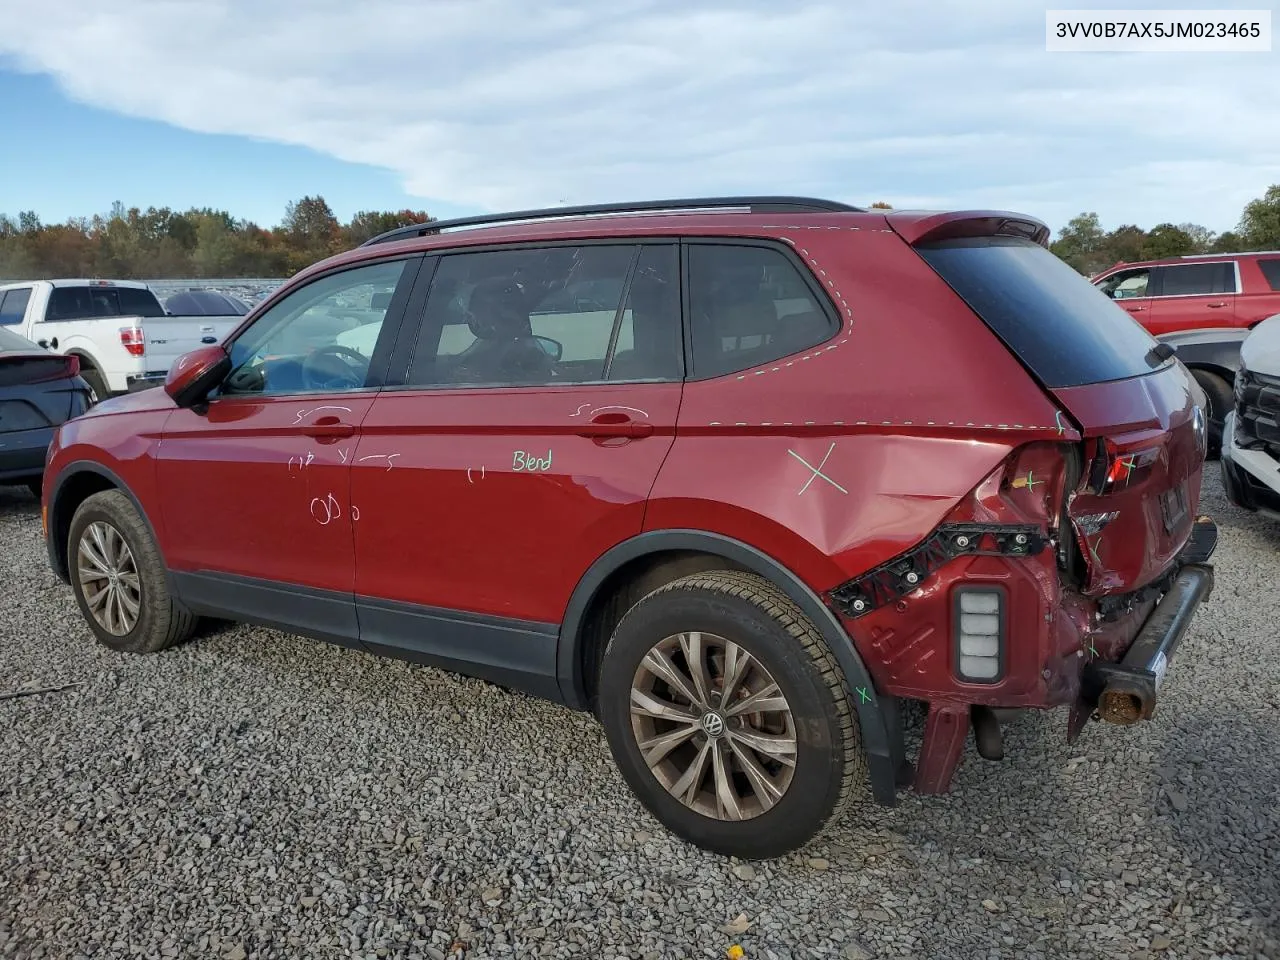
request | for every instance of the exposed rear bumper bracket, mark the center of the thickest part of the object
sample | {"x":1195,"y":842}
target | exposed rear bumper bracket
{"x":1125,"y":692}
{"x":909,"y":571}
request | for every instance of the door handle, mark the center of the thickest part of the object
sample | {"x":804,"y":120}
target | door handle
{"x":329,"y":428}
{"x":1135,"y":309}
{"x":1220,"y":303}
{"x":615,"y":425}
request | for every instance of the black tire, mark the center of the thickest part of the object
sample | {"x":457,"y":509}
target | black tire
{"x":161,"y":620}
{"x":830,"y":764}
{"x":93,"y":378}
{"x":1221,"y":399}
{"x":36,"y":487}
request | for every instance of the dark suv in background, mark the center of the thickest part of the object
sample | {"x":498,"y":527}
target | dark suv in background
{"x":740,"y":475}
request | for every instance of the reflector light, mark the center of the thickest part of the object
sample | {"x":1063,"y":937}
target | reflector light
{"x":978,"y":627}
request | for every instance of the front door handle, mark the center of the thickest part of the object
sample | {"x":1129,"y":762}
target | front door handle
{"x":1135,"y":309}
{"x":329,"y":428}
{"x":1220,"y":303}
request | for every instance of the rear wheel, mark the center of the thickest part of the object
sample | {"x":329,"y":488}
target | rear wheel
{"x":1221,"y":400}
{"x":119,"y":579}
{"x":729,"y":717}
{"x":97,"y":385}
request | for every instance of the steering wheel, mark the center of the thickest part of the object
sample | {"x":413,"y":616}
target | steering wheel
{"x":349,"y":370}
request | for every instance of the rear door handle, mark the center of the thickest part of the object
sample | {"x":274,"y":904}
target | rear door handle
{"x":1220,"y":303}
{"x":328,"y":428}
{"x":615,"y":425}
{"x":1135,"y":309}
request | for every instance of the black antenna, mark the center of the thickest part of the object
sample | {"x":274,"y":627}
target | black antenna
{"x":745,"y":204}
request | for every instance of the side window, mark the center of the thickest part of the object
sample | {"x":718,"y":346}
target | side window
{"x":1271,"y":270}
{"x":1197,"y":279}
{"x":13,"y":306}
{"x":1127,"y":284}
{"x":556,"y":314}
{"x":749,"y":305}
{"x":320,"y":337}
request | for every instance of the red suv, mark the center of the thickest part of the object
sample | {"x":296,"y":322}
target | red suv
{"x":739,"y":475}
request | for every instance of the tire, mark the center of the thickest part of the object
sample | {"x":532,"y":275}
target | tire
{"x":160,"y":621}
{"x":93,"y":378}
{"x":1221,"y":399}
{"x":36,"y":487}
{"x":830,"y":767}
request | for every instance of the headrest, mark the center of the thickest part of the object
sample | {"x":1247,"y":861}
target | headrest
{"x":496,"y":310}
{"x":380,"y":301}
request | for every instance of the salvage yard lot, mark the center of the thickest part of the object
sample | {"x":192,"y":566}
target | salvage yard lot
{"x":251,"y":794}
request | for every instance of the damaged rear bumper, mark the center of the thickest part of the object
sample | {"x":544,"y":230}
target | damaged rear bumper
{"x":1126,"y":692}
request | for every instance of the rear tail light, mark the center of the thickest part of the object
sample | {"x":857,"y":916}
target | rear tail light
{"x":1115,"y":469}
{"x":978,"y":629}
{"x":131,"y":339}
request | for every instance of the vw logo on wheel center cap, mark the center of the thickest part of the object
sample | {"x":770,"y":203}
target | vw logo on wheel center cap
{"x":713,"y":724}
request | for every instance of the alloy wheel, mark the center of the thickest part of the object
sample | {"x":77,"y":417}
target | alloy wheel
{"x":713,"y":726}
{"x":109,"y":578}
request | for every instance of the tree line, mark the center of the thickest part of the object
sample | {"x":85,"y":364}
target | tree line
{"x":160,"y":243}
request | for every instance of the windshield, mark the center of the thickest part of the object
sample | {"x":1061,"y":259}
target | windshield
{"x":1064,"y":329}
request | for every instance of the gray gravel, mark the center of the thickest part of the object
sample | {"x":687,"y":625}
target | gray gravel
{"x":255,"y":795}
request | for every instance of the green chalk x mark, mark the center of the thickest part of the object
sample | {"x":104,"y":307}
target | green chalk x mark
{"x":863,"y":695}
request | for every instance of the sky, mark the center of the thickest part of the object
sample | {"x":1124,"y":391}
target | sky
{"x":461,"y":106}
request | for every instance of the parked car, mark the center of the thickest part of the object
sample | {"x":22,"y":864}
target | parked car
{"x":38,"y":391}
{"x":205,"y":303}
{"x":1250,"y":461}
{"x":738,"y":475}
{"x":1196,"y":292}
{"x":117,"y":329}
{"x":1213,"y":357}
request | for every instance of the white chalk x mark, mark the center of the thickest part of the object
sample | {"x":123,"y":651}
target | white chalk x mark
{"x":817,"y":471}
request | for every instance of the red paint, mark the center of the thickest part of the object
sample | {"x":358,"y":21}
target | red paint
{"x":834,"y":461}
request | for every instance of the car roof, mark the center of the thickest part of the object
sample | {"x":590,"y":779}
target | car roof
{"x":1192,"y":258}
{"x":748,"y":217}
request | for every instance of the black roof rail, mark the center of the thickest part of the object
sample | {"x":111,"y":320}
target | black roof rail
{"x":751,"y":204}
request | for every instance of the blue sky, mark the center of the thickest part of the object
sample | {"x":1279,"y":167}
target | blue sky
{"x":465,"y":105}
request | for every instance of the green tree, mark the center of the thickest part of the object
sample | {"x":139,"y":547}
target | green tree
{"x":1260,"y":223}
{"x":1167,"y":240}
{"x":1226,"y":242}
{"x":367,"y":224}
{"x":1081,"y":243}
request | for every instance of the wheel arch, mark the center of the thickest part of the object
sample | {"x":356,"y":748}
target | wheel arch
{"x":75,"y":483}
{"x":689,"y":551}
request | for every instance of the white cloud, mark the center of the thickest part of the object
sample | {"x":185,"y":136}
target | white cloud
{"x":508,"y":103}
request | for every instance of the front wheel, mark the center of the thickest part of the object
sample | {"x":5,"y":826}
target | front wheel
{"x":119,"y":579}
{"x":729,"y":717}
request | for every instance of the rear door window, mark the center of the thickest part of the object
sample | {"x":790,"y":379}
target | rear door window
{"x":748,"y":305}
{"x":1063,"y":329}
{"x":13,"y":306}
{"x":1196,"y":279}
{"x":1271,"y":270}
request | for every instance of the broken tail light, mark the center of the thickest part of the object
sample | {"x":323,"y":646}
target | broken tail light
{"x":1114,"y":468}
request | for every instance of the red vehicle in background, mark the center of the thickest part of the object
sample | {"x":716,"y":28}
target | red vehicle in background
{"x":1229,"y":292}
{"x":739,"y":475}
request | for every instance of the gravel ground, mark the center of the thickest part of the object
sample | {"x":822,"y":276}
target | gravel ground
{"x":255,"y":795}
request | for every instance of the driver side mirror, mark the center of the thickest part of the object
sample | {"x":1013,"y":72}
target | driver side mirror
{"x":552,"y":348}
{"x":196,"y":373}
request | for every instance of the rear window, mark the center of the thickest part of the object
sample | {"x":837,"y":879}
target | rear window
{"x":78,"y":303}
{"x":13,"y":305}
{"x":1059,"y":325}
{"x":1271,"y":270}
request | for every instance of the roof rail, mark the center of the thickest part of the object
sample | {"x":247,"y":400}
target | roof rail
{"x":746,"y":204}
{"x":1236,"y":253}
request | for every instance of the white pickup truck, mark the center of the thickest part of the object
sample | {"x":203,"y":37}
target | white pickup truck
{"x":124,"y":338}
{"x":1250,"y":460}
